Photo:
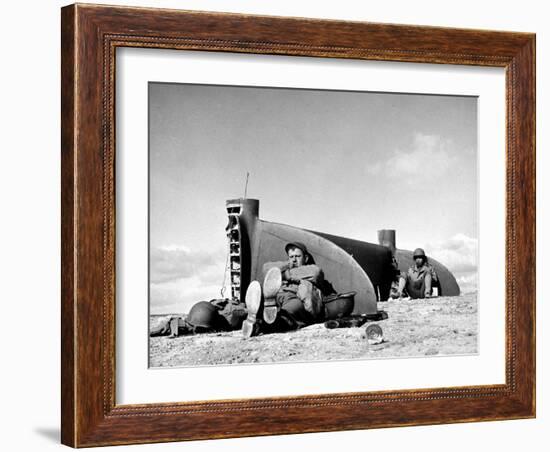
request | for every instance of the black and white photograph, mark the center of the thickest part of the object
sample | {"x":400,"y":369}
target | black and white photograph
{"x":298,"y":225}
{"x":217,"y":249}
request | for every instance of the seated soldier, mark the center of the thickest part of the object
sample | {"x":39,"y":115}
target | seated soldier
{"x":292,"y":294}
{"x":419,"y":279}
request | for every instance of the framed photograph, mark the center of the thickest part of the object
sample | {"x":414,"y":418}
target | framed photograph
{"x":282,"y":225}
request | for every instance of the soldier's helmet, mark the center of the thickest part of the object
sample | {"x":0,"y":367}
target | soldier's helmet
{"x":419,"y":252}
{"x":203,"y":315}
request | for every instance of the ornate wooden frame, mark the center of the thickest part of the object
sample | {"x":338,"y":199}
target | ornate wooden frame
{"x":90,"y":35}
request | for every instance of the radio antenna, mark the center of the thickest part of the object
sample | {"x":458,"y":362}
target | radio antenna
{"x":246,"y":184}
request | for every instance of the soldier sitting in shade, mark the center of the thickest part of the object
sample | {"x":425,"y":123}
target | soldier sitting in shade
{"x":419,"y":279}
{"x":292,"y":295}
{"x":295,"y":294}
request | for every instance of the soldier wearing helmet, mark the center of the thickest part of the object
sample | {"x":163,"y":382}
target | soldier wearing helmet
{"x":291,"y":296}
{"x":419,"y":279}
{"x":204,"y":317}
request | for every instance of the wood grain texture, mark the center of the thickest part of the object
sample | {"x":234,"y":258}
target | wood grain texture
{"x":67,"y":226}
{"x":90,"y":36}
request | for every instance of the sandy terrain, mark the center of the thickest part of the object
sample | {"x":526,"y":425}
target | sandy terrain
{"x":439,"y":326}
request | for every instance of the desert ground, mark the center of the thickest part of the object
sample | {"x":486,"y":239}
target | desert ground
{"x":433,"y":327}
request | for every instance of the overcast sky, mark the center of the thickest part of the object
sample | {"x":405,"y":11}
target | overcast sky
{"x":345,"y":163}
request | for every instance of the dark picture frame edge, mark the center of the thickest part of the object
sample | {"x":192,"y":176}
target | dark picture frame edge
{"x":90,"y":35}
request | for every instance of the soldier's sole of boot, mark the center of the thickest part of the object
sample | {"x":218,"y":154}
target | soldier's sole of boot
{"x":270,"y":313}
{"x":273,"y":281}
{"x":253,"y":301}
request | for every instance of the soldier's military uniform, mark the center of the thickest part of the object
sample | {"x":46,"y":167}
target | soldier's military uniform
{"x":415,"y":280}
{"x":418,"y":281}
{"x":300,"y":297}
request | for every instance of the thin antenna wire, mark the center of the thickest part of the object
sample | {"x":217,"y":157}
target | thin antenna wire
{"x":222,"y":290}
{"x":246,"y":184}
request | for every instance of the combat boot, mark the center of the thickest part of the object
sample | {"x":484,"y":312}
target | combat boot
{"x":272,"y":283}
{"x":253,"y":300}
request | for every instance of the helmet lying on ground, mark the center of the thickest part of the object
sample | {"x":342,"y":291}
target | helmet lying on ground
{"x":205,"y":315}
{"x":339,"y":305}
